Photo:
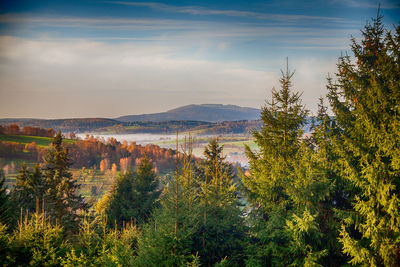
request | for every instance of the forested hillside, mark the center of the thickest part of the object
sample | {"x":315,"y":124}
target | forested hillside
{"x":328,"y":199}
{"x":205,"y":112}
{"x":109,"y":126}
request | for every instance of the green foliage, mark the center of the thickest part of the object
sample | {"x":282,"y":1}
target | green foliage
{"x":62,"y":201}
{"x":167,"y":240}
{"x":133,"y":195}
{"x":289,"y":186}
{"x":5,"y":203}
{"x":365,"y":100}
{"x":222,"y":236}
{"x":5,"y":250}
{"x":30,"y":187}
{"x":96,"y":245}
{"x":24,"y":139}
{"x":199,"y":221}
{"x":36,"y":242}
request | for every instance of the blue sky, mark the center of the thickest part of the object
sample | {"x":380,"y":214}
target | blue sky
{"x":63,"y":59}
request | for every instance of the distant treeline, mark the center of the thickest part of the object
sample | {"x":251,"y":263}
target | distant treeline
{"x":109,"y":125}
{"x":27,"y":130}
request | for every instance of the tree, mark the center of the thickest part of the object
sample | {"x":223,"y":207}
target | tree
{"x":365,"y":99}
{"x":5,"y":203}
{"x":222,"y":233}
{"x":30,"y":187}
{"x":133,"y":195}
{"x":285,"y":215}
{"x":96,"y":245}
{"x":168,"y":238}
{"x":62,"y":200}
{"x":36,"y":242}
{"x":213,"y":159}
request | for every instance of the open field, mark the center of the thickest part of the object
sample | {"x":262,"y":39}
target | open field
{"x":23,"y":139}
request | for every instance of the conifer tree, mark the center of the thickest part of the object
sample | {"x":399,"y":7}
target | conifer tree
{"x":5,"y":203}
{"x":30,"y":187}
{"x":286,"y":186}
{"x":169,"y":238}
{"x":365,"y":100}
{"x":62,"y":199}
{"x":36,"y":241}
{"x":278,"y":141}
{"x":133,"y":195}
{"x":213,"y":159}
{"x":222,"y":227}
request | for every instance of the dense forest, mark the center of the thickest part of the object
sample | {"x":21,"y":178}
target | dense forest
{"x":327,"y":199}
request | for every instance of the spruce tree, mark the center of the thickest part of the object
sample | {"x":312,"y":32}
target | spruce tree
{"x":286,"y":186}
{"x":222,"y":233}
{"x":5,"y":203}
{"x":62,"y":200}
{"x":365,"y":100}
{"x":169,"y":237}
{"x":278,"y":141}
{"x":133,"y":195}
{"x":30,"y":188}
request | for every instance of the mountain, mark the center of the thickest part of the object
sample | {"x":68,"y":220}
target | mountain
{"x":204,"y":112}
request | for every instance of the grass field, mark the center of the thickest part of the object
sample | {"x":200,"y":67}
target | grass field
{"x":23,"y":139}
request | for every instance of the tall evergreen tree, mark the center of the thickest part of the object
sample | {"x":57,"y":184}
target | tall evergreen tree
{"x":286,"y":186}
{"x":213,"y":161}
{"x":169,"y":238}
{"x":133,"y":195}
{"x":30,"y":188}
{"x":365,"y":98}
{"x":222,"y":227}
{"x":62,"y":200}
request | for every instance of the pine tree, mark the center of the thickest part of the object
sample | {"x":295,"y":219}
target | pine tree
{"x":213,"y":159}
{"x":286,"y":186}
{"x":169,"y":237}
{"x":323,"y":131}
{"x":222,"y":233}
{"x":96,"y":245}
{"x":133,"y":195}
{"x":62,"y":200}
{"x":36,"y":241}
{"x":278,"y":141}
{"x":5,"y":203}
{"x":30,"y":187}
{"x":365,"y":100}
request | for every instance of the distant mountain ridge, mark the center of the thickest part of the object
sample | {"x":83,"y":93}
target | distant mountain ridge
{"x":204,"y":112}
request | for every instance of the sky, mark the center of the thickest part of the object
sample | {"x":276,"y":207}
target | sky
{"x":77,"y":59}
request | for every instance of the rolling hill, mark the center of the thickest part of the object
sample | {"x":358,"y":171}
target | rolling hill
{"x":204,"y":112}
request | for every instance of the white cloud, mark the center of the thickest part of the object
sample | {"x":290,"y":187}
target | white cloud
{"x":85,"y":78}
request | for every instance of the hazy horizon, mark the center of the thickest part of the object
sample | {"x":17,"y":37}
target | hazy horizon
{"x":50,"y":118}
{"x":105,"y":59}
